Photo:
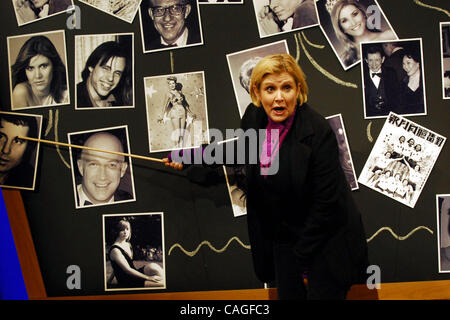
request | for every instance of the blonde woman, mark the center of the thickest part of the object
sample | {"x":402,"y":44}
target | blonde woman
{"x":301,"y":218}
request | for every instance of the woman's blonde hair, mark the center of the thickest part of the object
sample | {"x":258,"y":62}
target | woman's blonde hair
{"x":278,"y":63}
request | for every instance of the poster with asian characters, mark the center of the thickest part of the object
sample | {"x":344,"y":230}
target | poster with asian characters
{"x":401,"y":159}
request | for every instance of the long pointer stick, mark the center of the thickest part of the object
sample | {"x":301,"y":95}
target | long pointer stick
{"x":91,"y":149}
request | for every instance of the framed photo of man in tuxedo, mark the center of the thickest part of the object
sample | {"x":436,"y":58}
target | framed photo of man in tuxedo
{"x":393,"y":78}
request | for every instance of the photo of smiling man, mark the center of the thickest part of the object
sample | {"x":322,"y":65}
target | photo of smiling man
{"x":101,"y":178}
{"x":170,"y":24}
{"x":104,"y":71}
{"x":18,"y":157}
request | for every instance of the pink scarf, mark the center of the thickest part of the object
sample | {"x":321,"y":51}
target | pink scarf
{"x":272,"y":145}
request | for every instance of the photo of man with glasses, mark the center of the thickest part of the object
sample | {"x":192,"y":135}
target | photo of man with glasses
{"x":170,"y":24}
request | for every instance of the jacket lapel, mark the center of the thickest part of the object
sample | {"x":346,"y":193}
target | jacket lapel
{"x":300,"y":148}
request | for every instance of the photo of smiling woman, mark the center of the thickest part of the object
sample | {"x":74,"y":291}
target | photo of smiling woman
{"x":348,"y":23}
{"x":38,"y":74}
{"x":101,"y":178}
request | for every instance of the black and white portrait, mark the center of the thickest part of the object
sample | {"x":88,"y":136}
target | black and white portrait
{"x":38,"y":70}
{"x":241,"y":65}
{"x":170,"y":24}
{"x":221,"y":1}
{"x":18,"y":156}
{"x":133,"y":251}
{"x":122,"y":9}
{"x":345,"y":158}
{"x":401,"y":159}
{"x":101,"y":178}
{"x":177,"y":114}
{"x":348,"y":23}
{"x":443,"y":227}
{"x":28,"y":11}
{"x":279,"y":16}
{"x":393,"y":78}
{"x":235,"y":178}
{"x":104,"y":71}
{"x":445,"y":58}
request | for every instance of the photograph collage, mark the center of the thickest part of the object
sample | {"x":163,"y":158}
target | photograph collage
{"x":103,"y":75}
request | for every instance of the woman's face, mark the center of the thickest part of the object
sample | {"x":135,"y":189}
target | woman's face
{"x":172,"y":84}
{"x":410,"y":66}
{"x":125,"y":233}
{"x":278,"y":94}
{"x":352,"y":20}
{"x":39,"y":73}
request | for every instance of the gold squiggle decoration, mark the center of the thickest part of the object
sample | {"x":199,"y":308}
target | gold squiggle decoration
{"x":369,"y":135}
{"x":205,"y":242}
{"x":171,"y":61}
{"x":297,"y":46}
{"x":318,"y":46}
{"x":56,"y":139}
{"x":419,"y":3}
{"x":325,"y":72}
{"x":50,"y":122}
{"x":396,"y":236}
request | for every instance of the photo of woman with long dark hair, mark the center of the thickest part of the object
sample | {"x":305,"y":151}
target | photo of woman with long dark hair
{"x":38,"y":75}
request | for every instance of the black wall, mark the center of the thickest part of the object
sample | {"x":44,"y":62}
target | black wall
{"x":64,"y":236}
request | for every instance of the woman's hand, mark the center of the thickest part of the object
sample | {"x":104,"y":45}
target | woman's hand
{"x":44,"y":11}
{"x":174,"y":165}
{"x":267,"y":21}
{"x":155,"y":279}
{"x":24,"y":12}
